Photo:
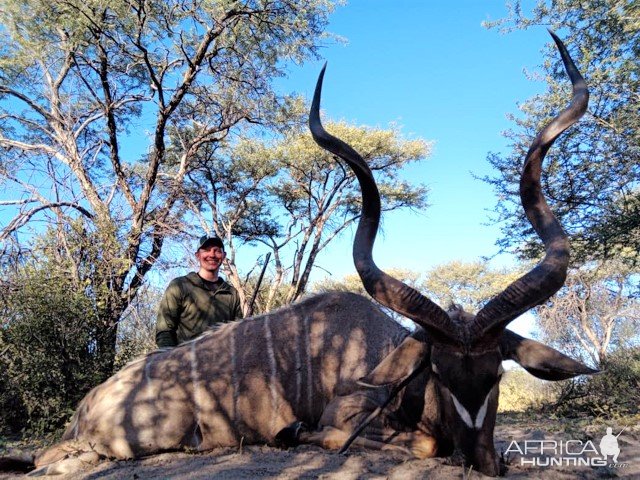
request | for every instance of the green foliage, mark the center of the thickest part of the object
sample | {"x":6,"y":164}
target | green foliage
{"x":385,"y":150}
{"x":56,"y":335}
{"x":469,"y":284}
{"x":12,"y":409}
{"x":520,"y":391}
{"x":293,"y":197}
{"x":47,"y":340}
{"x":592,"y":173}
{"x":80,"y":80}
{"x":613,"y":393}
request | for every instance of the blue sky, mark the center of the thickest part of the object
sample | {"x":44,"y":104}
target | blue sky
{"x":435,"y":70}
{"x":432,"y":68}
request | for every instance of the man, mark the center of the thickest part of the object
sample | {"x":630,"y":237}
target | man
{"x":197,"y":301}
{"x":609,"y":445}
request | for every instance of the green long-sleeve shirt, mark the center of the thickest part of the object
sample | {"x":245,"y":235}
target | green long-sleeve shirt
{"x":189,"y":307}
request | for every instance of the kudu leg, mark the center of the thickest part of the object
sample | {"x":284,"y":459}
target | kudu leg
{"x":66,"y":457}
{"x":332,"y":438}
{"x":345,"y":413}
{"x":416,"y":444}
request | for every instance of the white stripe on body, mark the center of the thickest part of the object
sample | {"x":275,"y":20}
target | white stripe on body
{"x":272,"y":371}
{"x":195,"y":381}
{"x":235,"y":381}
{"x":147,"y":376}
{"x":298,"y":366}
{"x":307,"y":338}
{"x":75,"y":426}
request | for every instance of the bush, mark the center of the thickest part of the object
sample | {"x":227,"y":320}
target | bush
{"x":47,"y":341}
{"x":12,"y":410}
{"x":137,"y":328}
{"x":613,"y":393}
{"x":520,"y":391}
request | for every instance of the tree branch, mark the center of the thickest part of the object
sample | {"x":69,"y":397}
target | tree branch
{"x":33,"y":105}
{"x":23,"y":218}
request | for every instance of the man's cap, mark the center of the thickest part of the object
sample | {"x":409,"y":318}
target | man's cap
{"x":207,"y":241}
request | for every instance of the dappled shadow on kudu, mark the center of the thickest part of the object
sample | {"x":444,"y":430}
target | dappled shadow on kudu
{"x":241,"y":383}
{"x":140,"y":410}
{"x":160,"y":414}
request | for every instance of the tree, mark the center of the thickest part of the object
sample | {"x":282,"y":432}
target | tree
{"x":352,"y":283}
{"x":292,"y":197}
{"x":80,"y":81}
{"x":592,"y":175}
{"x":468,"y":284}
{"x":48,"y":338}
{"x":597,"y":310}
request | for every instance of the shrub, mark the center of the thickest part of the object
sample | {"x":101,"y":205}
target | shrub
{"x":613,"y":393}
{"x":12,"y":410}
{"x":521,"y":391}
{"x":47,"y":341}
{"x":137,"y":328}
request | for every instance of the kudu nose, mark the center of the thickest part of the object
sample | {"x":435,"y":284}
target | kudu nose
{"x":487,"y":462}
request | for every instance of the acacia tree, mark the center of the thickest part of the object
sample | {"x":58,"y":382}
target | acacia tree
{"x":294,"y":198}
{"x":89,"y":94}
{"x":597,"y":310}
{"x":353,"y":283}
{"x":468,"y":284}
{"x":592,"y":176}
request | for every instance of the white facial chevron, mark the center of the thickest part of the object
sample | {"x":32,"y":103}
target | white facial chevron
{"x":466,"y":417}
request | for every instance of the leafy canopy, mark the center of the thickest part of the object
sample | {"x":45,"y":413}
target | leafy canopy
{"x":293,"y":198}
{"x":592,"y":174}
{"x":94,"y":96}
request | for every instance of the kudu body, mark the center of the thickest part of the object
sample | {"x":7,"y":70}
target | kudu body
{"x":334,"y":368}
{"x":242,"y":383}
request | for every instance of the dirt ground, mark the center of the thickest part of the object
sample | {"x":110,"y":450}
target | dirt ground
{"x":307,"y":462}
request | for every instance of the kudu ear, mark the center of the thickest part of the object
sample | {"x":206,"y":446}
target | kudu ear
{"x":540,"y":360}
{"x":401,"y":363}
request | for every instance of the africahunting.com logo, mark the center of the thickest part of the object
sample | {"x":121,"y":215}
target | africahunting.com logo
{"x":548,"y":453}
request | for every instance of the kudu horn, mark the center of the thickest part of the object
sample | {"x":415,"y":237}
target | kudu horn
{"x":387,"y":290}
{"x":528,"y":291}
{"x":535,"y":287}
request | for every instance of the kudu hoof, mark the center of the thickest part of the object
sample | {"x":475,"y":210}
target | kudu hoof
{"x":289,"y":436}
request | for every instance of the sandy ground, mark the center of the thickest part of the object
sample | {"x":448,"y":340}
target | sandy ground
{"x":307,"y":462}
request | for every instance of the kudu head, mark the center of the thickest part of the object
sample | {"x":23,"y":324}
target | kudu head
{"x":462,"y":353}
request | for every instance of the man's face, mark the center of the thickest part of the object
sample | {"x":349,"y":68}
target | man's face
{"x":210,"y":257}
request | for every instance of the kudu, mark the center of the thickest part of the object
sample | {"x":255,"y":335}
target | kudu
{"x":451,"y":376}
{"x":333,"y":365}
